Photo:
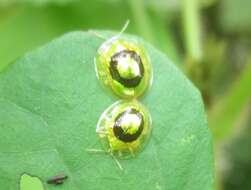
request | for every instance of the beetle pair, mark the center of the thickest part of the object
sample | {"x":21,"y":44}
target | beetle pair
{"x":124,"y":68}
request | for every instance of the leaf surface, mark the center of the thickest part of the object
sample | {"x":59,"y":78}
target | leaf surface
{"x":50,"y":103}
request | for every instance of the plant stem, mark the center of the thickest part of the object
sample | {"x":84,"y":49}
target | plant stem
{"x":141,"y":19}
{"x":192,"y":29}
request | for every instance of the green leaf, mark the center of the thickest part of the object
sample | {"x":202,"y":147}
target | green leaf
{"x":224,"y":115}
{"x":234,"y":16}
{"x":50,"y":104}
{"x":20,"y":26}
{"x":28,"y":182}
{"x":36,"y":2}
{"x":24,"y":27}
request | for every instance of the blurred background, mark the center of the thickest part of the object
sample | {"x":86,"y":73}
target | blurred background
{"x":208,"y":39}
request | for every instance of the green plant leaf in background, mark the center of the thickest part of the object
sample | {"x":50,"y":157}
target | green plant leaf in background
{"x":26,"y":25}
{"x":28,"y":182}
{"x":50,"y":103}
{"x":224,"y":115}
{"x":234,"y":16}
{"x":36,"y":2}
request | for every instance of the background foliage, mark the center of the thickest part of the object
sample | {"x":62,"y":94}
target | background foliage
{"x":208,"y":39}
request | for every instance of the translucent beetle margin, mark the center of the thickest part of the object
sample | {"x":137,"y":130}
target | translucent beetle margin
{"x":124,"y":67}
{"x":124,"y":128}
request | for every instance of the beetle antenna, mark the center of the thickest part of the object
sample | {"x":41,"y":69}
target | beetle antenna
{"x":95,"y":33}
{"x":117,"y":162}
{"x":90,"y":150}
{"x":124,"y":27}
{"x":122,"y":30}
